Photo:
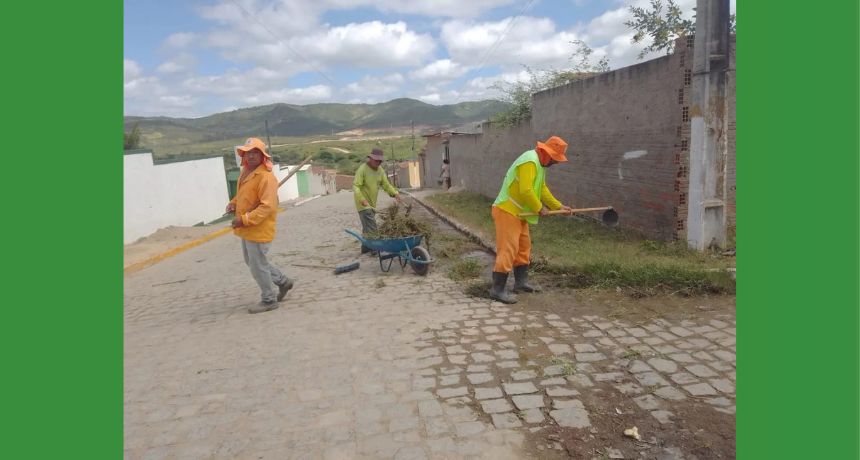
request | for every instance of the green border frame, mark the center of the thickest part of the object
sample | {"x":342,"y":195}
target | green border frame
{"x":797,"y":157}
{"x":61,"y":332}
{"x":61,"y":327}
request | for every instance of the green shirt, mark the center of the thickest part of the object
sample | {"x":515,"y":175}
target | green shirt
{"x":366,"y":186}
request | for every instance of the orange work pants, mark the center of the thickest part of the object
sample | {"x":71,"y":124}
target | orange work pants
{"x":513,"y":244}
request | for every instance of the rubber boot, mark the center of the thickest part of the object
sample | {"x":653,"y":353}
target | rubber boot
{"x":284,"y":288}
{"x":497,"y":292}
{"x":521,"y":280}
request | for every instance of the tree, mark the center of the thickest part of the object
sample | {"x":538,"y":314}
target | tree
{"x":663,"y":27}
{"x":519,"y":94}
{"x":132,"y":140}
{"x":325,"y":156}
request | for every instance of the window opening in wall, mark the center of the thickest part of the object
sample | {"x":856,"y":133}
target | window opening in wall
{"x":685,"y":145}
{"x":688,"y":77}
{"x":685,"y":114}
{"x":681,"y":96}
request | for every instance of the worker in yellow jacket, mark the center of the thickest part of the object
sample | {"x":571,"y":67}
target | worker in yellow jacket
{"x":523,"y":191}
{"x":256,"y":209}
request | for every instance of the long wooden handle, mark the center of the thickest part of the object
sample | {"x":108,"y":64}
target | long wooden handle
{"x":294,"y":170}
{"x":561,"y":211}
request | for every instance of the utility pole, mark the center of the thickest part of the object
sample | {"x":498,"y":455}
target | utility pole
{"x":706,"y":214}
{"x":394,"y":163}
{"x":412,"y":122}
{"x":268,"y":141}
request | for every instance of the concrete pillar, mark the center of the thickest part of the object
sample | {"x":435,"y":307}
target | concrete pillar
{"x":706,"y":216}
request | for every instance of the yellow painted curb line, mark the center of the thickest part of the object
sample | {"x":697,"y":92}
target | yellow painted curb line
{"x":172,"y":252}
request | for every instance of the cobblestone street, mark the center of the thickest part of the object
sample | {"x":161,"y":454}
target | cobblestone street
{"x":374,"y":365}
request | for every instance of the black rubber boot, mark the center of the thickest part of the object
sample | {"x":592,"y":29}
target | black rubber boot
{"x":497,"y":292}
{"x":521,"y":280}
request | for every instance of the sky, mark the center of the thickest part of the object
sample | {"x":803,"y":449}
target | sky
{"x":192,"y":58}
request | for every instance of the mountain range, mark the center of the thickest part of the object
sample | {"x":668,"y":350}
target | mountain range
{"x":312,"y":119}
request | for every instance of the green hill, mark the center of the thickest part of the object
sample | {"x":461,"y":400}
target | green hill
{"x":175,"y":135}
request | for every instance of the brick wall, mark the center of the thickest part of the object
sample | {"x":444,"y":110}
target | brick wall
{"x":629,"y":136}
{"x":343,"y":182}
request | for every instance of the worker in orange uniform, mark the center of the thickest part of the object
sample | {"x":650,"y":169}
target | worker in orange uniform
{"x":523,"y":191}
{"x":256,"y":209}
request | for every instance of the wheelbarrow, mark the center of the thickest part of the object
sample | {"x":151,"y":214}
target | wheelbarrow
{"x":406,"y":250}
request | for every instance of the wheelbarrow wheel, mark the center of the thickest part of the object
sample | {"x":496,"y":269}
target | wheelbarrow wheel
{"x":419,"y":253}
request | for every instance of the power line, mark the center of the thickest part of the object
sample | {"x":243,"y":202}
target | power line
{"x":281,"y":41}
{"x":501,"y":37}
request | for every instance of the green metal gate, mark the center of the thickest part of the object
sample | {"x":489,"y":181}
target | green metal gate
{"x":304,"y":186}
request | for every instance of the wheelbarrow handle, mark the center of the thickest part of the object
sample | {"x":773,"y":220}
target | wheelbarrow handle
{"x":356,"y":235}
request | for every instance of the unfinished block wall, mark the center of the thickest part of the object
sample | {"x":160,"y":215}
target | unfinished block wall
{"x":629,"y":137}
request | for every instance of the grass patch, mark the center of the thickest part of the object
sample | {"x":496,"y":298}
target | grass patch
{"x":578,"y":253}
{"x":631,"y":354}
{"x":465,"y":269}
{"x":449,"y":246}
{"x":479,"y":289}
{"x":567,"y":367}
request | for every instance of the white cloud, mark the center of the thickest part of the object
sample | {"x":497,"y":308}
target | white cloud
{"x":512,"y":41}
{"x":235,"y":84}
{"x":484,"y":83}
{"x":130,"y":70}
{"x":369,"y":44}
{"x":179,"y":64}
{"x":180,"y":40}
{"x":183,"y":101}
{"x":430,"y":98}
{"x":608,"y":36}
{"x":149,"y":96}
{"x":369,"y":87}
{"x":607,"y":26}
{"x":308,"y":95}
{"x":439,"y":8}
{"x":443,"y":69}
{"x":283,"y":18}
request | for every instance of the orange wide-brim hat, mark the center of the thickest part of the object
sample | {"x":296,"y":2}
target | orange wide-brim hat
{"x":555,"y":147}
{"x":251,"y":144}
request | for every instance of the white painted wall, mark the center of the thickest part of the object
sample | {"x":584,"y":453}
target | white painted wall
{"x":317,"y":184}
{"x":290,"y":189}
{"x":179,"y":194}
{"x":321,"y":183}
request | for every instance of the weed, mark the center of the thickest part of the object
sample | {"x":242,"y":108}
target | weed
{"x":567,"y":367}
{"x":479,"y":289}
{"x":465,"y":269}
{"x":631,"y":354}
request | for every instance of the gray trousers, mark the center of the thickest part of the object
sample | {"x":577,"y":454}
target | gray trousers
{"x":368,"y":224}
{"x":265,"y":274}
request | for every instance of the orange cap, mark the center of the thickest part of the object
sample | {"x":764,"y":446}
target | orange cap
{"x":555,"y":147}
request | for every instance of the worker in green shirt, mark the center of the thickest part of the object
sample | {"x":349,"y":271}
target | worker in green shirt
{"x":368,"y":178}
